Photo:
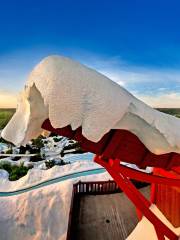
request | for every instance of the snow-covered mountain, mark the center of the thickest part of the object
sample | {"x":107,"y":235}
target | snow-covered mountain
{"x":69,"y":93}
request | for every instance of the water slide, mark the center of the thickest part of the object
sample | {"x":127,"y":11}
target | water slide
{"x":52,"y":181}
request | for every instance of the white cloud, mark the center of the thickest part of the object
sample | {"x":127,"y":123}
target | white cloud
{"x":135,"y":75}
{"x":156,"y":87}
{"x":171,"y":100}
{"x":127,"y":74}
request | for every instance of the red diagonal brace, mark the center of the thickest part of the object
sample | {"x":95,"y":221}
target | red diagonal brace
{"x":145,"y":177}
{"x":137,"y":198}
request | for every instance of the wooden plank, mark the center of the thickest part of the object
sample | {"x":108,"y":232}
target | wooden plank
{"x":105,"y":217}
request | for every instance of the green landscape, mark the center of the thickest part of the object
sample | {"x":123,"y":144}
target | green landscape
{"x":172,"y":111}
{"x":5,"y":116}
{"x":7,"y":113}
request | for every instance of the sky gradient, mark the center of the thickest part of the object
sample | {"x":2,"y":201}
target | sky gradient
{"x":135,"y":43}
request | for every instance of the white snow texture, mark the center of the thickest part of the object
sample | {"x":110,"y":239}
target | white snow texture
{"x":68,"y":92}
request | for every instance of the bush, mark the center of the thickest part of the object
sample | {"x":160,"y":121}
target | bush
{"x":72,"y":146}
{"x":22,"y":150}
{"x":16,"y":158}
{"x":38,"y":142}
{"x":2,"y":140}
{"x":36,"y":158}
{"x":9,"y":151}
{"x":62,"y":162}
{"x":52,"y":163}
{"x":15,"y":172}
{"x":56,"y":139}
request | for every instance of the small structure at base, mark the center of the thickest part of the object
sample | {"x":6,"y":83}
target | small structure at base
{"x":100,"y":210}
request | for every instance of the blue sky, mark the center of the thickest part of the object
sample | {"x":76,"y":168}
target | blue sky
{"x":136,"y":43}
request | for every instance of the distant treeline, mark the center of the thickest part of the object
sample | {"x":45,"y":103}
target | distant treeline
{"x":171,"y":111}
{"x":6,"y":114}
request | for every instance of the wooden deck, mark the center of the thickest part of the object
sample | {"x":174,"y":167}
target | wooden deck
{"x":105,"y":217}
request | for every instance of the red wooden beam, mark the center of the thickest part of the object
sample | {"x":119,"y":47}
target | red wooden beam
{"x":120,"y":144}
